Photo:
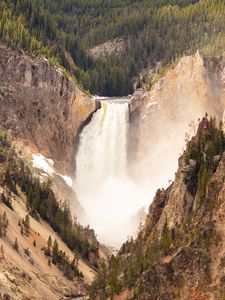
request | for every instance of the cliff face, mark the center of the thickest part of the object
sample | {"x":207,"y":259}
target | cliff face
{"x":42,"y":108}
{"x":195,"y":86}
{"x":179,"y":252}
{"x":191,"y":230}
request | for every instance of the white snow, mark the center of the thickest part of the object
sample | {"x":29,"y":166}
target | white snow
{"x":67,"y":179}
{"x":40,"y":162}
{"x":47,"y":165}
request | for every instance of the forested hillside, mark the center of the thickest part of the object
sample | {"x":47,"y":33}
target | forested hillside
{"x":154,"y":31}
{"x":42,"y":202}
{"x":44,"y":251}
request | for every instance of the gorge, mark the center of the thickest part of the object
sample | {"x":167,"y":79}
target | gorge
{"x":112,"y":150}
{"x":127,"y":147}
{"x":129,"y":150}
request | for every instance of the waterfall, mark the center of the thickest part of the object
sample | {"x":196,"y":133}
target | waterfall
{"x":100,"y":143}
{"x":102,"y":183}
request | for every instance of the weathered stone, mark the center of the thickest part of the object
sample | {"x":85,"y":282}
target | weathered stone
{"x":41,"y":106}
{"x":173,"y":105}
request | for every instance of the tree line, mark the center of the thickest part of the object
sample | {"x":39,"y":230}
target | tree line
{"x":42,"y":203}
{"x":154,"y":31}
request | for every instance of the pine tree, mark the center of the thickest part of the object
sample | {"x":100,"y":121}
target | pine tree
{"x":5,"y":223}
{"x":55,"y":252}
{"x":16,"y":245}
{"x":21,"y":230}
{"x":49,"y":241}
{"x":26,"y":224}
{"x":74,"y":262}
{"x":1,"y":252}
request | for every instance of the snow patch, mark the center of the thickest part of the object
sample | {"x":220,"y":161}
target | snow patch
{"x":47,"y":165}
{"x":40,"y":162}
{"x":67,"y":179}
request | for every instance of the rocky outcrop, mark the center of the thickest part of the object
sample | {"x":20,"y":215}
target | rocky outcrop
{"x":182,"y":241}
{"x":193,"y":267}
{"x":179,"y":252}
{"x":184,"y":94}
{"x":41,"y":107}
{"x":115,"y":47}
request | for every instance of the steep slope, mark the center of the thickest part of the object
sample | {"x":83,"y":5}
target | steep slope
{"x":183,"y":94}
{"x":41,"y":107}
{"x":179,"y":253}
{"x":161,"y":118}
{"x":29,"y":276}
{"x":33,"y":266}
{"x":43,"y":110}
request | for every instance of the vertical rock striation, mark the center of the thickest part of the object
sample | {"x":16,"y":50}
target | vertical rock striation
{"x":195,"y":86}
{"x":40,"y":106}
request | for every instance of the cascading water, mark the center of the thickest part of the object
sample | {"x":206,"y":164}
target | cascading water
{"x":103,"y":187}
{"x":100,"y":143}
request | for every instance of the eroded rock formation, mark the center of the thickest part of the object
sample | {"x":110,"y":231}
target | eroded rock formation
{"x":184,"y":94}
{"x":40,"y":106}
{"x":179,"y":252}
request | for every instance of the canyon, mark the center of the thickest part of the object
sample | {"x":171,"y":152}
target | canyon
{"x":45,"y":112}
{"x":112,"y":150}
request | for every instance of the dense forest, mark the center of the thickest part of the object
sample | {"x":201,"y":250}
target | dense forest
{"x":154,"y":31}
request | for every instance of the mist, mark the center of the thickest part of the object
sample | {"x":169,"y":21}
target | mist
{"x":110,"y":198}
{"x":114,"y":190}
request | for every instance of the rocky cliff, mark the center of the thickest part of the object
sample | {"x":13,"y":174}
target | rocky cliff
{"x":179,"y":253}
{"x":42,"y":108}
{"x":174,"y":104}
{"x":190,"y":227}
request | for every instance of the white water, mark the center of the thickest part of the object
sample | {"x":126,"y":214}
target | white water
{"x":104,"y":189}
